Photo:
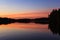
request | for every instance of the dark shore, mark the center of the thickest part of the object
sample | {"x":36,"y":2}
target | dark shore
{"x":36,"y":20}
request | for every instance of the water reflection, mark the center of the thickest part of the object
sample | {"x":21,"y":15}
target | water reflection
{"x":29,"y":31}
{"x":54,"y":29}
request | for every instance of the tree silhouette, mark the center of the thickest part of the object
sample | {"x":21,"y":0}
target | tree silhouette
{"x":54,"y":21}
{"x":25,"y":20}
{"x":6,"y":20}
{"x":41,"y":20}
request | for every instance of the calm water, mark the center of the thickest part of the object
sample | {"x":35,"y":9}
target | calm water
{"x":26,"y":31}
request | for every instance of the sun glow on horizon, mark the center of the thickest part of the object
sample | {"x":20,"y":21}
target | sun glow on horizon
{"x":27,"y":8}
{"x":26,"y":15}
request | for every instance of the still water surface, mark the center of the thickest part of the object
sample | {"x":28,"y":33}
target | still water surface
{"x":26,"y":31}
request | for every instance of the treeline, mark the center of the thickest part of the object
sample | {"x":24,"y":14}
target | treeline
{"x":54,"y":21}
{"x":26,"y":20}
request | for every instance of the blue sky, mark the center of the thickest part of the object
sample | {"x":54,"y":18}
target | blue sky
{"x":15,"y":6}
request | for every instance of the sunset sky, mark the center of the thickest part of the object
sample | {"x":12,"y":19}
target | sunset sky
{"x":27,"y":8}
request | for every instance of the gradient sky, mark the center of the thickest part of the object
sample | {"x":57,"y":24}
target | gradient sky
{"x":27,"y":6}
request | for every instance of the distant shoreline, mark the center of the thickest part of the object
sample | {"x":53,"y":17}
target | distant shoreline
{"x":25,"y":20}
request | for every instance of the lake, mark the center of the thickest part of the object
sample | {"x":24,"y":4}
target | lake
{"x":26,"y":31}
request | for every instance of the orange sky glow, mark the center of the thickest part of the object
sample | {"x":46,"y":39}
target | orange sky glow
{"x":27,"y":15}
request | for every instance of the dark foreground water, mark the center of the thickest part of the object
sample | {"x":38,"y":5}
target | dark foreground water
{"x":26,"y":31}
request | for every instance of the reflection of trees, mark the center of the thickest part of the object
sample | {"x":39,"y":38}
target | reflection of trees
{"x":54,"y":21}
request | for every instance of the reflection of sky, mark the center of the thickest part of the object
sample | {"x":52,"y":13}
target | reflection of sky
{"x":26,"y":32}
{"x":24,"y":26}
{"x":17,"y":6}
